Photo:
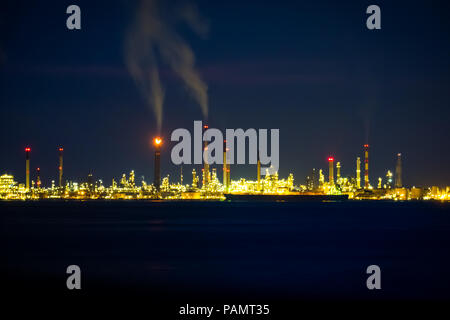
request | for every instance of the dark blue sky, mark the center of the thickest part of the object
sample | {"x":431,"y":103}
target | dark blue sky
{"x":310,"y":68}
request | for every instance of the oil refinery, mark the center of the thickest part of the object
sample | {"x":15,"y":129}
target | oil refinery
{"x":269,"y":187}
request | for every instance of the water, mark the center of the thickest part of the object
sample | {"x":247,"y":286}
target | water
{"x":221,"y":250}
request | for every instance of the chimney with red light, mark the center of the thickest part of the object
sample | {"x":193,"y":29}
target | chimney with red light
{"x":27,"y":168}
{"x":330,"y":171}
{"x":60,"y":168}
{"x":157,"y":142}
{"x":205,"y":164}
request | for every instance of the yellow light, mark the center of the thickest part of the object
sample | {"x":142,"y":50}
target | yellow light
{"x":157,"y":141}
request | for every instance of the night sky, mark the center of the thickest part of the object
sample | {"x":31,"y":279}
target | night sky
{"x":310,"y":68}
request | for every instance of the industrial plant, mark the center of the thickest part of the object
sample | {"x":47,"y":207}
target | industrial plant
{"x":269,"y":187}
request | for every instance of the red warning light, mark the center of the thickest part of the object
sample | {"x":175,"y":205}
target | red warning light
{"x":61,"y":149}
{"x":205,"y":126}
{"x":330,"y":159}
{"x":366,"y":146}
{"x":27,"y":149}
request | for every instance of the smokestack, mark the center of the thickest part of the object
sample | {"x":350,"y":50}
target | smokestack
{"x":27,"y":168}
{"x":330,"y":171}
{"x":205,"y":164}
{"x":338,"y":172}
{"x":358,"y":173}
{"x":194,"y":179}
{"x":225,"y":179}
{"x":228,"y":176}
{"x":38,"y":177}
{"x":157,"y":177}
{"x":60,"y":168}
{"x":313,"y":174}
{"x":398,"y":171}
{"x":258,"y":175}
{"x":366,"y":166}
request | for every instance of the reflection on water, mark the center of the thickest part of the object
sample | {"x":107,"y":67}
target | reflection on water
{"x":267,"y":250}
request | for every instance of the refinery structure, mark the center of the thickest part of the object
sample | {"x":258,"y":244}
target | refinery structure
{"x":206,"y":185}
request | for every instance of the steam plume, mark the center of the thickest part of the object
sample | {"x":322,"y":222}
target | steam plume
{"x":153,"y":39}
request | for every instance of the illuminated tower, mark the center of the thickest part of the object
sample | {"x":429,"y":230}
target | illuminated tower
{"x":60,"y":168}
{"x":214,"y":177}
{"x":398,"y":171}
{"x":38,"y":177}
{"x":358,"y":173}
{"x":204,"y":178}
{"x":321,"y":178}
{"x":313,"y":177}
{"x":225,"y":179}
{"x":226,"y":167}
{"x":228,"y":173}
{"x":194,"y":179}
{"x":330,"y":171}
{"x":366,"y":166}
{"x":338,"y":172}
{"x":27,"y":168}
{"x":90,"y":182}
{"x":205,"y":164}
{"x":389,"y":179}
{"x":228,"y":176}
{"x":131,"y":182}
{"x":308,"y":183}
{"x":258,"y":174}
{"x":157,"y":178}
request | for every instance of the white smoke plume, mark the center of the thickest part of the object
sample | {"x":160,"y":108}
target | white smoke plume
{"x":153,"y":39}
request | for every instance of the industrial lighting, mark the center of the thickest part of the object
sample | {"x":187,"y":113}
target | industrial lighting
{"x":157,"y":141}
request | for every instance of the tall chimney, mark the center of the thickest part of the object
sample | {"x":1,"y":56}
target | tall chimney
{"x":330,"y":171}
{"x":27,"y":168}
{"x":258,"y":174}
{"x":225,"y":179}
{"x":228,"y":175}
{"x":157,"y":177}
{"x":313,"y":175}
{"x":194,"y":179}
{"x":60,"y":168}
{"x":366,"y":166}
{"x":38,"y":177}
{"x":398,"y":171}
{"x":338,"y":172}
{"x":358,"y":173}
{"x":205,"y":163}
{"x":181,"y":174}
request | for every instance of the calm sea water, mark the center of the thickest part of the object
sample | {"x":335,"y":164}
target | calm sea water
{"x":223,"y":249}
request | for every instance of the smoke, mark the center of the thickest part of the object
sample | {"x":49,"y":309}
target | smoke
{"x":153,"y":39}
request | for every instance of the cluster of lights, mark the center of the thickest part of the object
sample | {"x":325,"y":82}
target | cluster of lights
{"x":127,"y":188}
